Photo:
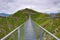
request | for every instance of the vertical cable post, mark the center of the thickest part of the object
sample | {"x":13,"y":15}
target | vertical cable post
{"x":41,"y":33}
{"x":18,"y":33}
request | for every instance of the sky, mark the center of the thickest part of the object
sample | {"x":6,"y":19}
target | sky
{"x":45,"y":6}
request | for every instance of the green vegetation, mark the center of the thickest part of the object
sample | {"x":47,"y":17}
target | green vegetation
{"x":10,"y":23}
{"x":51,"y":24}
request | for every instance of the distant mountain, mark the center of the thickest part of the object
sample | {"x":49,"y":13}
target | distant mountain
{"x":4,"y":14}
{"x":29,"y":11}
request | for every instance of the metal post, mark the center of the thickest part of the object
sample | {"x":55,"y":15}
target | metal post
{"x":18,"y":33}
{"x":41,"y":33}
{"x":55,"y":39}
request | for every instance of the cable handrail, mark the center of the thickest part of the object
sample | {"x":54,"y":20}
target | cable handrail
{"x":11,"y":32}
{"x":47,"y":31}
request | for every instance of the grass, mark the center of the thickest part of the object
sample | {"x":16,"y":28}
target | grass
{"x":10,"y":23}
{"x":46,"y":23}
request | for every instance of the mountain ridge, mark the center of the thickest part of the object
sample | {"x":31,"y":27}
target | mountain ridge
{"x":4,"y":14}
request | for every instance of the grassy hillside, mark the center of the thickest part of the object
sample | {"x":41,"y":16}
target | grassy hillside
{"x":51,"y":24}
{"x":10,"y":23}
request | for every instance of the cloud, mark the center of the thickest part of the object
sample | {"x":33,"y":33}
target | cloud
{"x":11,"y":6}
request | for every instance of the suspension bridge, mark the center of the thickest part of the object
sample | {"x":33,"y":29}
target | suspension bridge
{"x":30,"y":31}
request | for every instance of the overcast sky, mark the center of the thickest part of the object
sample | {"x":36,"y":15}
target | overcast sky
{"x":47,"y":6}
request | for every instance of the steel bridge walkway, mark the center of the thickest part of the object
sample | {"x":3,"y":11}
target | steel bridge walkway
{"x":29,"y":31}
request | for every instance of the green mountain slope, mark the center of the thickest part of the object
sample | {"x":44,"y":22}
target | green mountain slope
{"x":10,"y":23}
{"x":51,"y":24}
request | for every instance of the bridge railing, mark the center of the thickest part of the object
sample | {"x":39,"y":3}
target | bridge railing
{"x":45,"y":34}
{"x":13,"y":35}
